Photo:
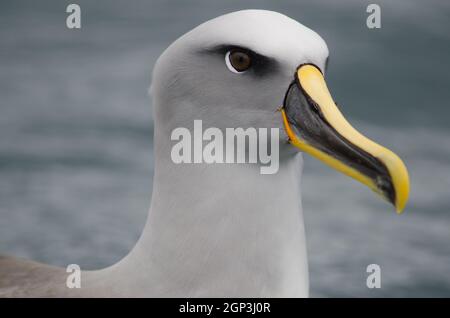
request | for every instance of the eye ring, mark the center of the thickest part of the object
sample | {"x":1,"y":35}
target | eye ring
{"x":237,"y":61}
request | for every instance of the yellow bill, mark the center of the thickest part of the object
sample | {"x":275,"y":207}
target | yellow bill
{"x":315,"y":125}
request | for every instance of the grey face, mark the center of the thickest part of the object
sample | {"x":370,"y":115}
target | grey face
{"x":193,"y":75}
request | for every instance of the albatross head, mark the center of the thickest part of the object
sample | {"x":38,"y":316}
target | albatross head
{"x":257,"y":68}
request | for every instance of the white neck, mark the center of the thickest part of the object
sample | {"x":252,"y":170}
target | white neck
{"x":219,"y":230}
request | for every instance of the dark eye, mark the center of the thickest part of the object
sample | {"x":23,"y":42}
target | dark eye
{"x":238,"y":61}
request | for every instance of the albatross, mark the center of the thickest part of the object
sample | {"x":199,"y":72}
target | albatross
{"x":221,"y":230}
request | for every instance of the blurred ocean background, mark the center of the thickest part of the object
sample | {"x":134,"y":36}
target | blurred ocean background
{"x":76,"y":160}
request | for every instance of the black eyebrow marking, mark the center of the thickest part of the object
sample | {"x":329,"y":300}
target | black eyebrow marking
{"x":326,"y":63}
{"x":261,"y":64}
